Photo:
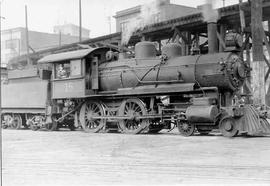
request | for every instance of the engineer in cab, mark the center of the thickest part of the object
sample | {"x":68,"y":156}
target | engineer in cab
{"x":61,"y":72}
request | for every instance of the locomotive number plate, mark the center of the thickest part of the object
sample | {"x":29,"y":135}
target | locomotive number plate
{"x":69,"y":88}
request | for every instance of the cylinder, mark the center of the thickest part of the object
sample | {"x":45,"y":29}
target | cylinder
{"x":212,"y":37}
{"x":202,"y":113}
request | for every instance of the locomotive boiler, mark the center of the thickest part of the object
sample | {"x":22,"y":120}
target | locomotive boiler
{"x":226,"y":71}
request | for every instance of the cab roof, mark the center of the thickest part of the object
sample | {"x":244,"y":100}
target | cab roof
{"x":77,"y":54}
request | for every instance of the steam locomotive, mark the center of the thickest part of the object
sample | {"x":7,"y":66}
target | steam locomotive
{"x":101,"y":89}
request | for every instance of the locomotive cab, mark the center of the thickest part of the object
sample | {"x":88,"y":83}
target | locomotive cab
{"x":75,"y":73}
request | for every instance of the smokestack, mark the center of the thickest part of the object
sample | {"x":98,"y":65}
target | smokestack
{"x":212,"y":37}
{"x":211,"y":16}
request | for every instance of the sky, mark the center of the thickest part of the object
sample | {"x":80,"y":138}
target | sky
{"x":44,"y":14}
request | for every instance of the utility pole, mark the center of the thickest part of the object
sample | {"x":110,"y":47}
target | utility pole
{"x":258,"y":71}
{"x":60,"y":38}
{"x":1,"y":161}
{"x":109,"y":21}
{"x":27,"y":37}
{"x":267,"y":97}
{"x":0,"y":95}
{"x":80,"y":21}
{"x":242,"y":16}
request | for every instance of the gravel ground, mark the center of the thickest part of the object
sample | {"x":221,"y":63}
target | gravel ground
{"x":77,"y":158}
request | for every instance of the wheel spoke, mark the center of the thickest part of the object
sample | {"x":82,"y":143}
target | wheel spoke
{"x":138,"y":109}
{"x":96,"y":109}
{"x":87,"y":123}
{"x":90,"y":106}
{"x":96,"y":122}
{"x":126,"y":109}
{"x":91,"y":125}
{"x":129,"y":105}
{"x":133,"y":106}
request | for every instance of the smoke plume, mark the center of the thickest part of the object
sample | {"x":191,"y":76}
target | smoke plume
{"x":148,"y":15}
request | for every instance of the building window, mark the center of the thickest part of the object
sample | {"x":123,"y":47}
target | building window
{"x":139,"y":22}
{"x":3,"y":45}
{"x":9,"y":56}
{"x":12,"y":44}
{"x":124,"y":26}
{"x":157,"y":17}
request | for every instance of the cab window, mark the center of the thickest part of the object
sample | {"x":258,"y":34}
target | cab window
{"x":62,"y":70}
{"x":75,"y":67}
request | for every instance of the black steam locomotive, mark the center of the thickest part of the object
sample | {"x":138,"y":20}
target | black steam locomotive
{"x":101,"y":89}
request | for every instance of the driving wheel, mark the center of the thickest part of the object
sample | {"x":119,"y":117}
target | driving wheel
{"x":133,"y":108}
{"x":88,"y":113}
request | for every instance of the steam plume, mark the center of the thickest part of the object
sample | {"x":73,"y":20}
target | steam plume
{"x":147,"y":16}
